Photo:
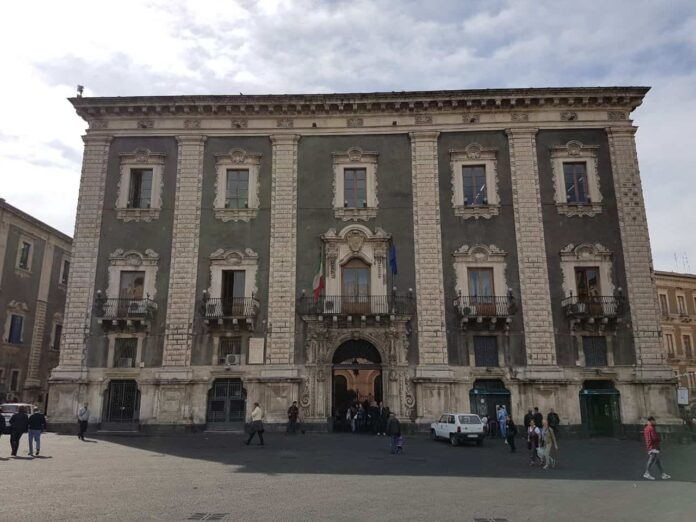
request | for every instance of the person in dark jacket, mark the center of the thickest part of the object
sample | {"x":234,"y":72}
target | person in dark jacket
{"x":19,"y":423}
{"x":393,"y":431}
{"x":37,"y":425}
{"x":527,"y":419}
{"x":293,"y":413}
{"x":538,"y":418}
{"x":510,"y":433}
{"x":554,"y":421}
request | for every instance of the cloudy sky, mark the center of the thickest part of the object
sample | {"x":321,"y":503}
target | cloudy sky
{"x":276,"y":46}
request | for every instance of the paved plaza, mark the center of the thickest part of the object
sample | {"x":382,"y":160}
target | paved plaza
{"x":213,"y":476}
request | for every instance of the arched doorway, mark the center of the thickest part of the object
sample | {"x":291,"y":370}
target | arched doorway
{"x":486,"y":395}
{"x":599,"y":409}
{"x":122,"y":403}
{"x":356,"y":378}
{"x":226,"y":405}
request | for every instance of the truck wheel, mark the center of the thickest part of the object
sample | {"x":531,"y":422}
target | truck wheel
{"x":432,"y":435}
{"x":453,"y":440}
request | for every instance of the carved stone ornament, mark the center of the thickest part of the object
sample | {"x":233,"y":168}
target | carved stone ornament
{"x":146,"y":124}
{"x":473,"y":151}
{"x":240,"y":123}
{"x":355,"y":154}
{"x":231,"y":256}
{"x":285,"y":123}
{"x":424,"y":119}
{"x":134,"y":260}
{"x":617,"y":115}
{"x":586,"y":252}
{"x":574,"y":148}
{"x":471,"y":118}
{"x":98,"y":124}
{"x":354,"y":122}
{"x":480,"y":253}
{"x":192,"y":124}
{"x":569,"y":116}
{"x":131,"y":258}
{"x":520,"y":116}
{"x":17,"y":306}
{"x":355,"y":240}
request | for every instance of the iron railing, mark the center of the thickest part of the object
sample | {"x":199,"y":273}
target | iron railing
{"x":484,"y":306}
{"x":356,"y":305}
{"x":233,"y":307}
{"x":592,"y":306}
{"x":123,"y":308}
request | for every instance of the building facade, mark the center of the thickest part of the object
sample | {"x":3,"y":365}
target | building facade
{"x":676,"y":295}
{"x":34,"y":270}
{"x":447,"y":250}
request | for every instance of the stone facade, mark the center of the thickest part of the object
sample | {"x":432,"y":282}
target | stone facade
{"x":32,"y":289}
{"x":498,"y":293}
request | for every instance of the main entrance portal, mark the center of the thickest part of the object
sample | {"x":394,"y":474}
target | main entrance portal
{"x":356,"y":380}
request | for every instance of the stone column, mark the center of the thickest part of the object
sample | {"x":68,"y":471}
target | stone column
{"x":430,"y":297}
{"x":85,"y":251}
{"x":531,"y":248}
{"x":281,"y":285}
{"x":181,"y":298}
{"x":641,"y":291}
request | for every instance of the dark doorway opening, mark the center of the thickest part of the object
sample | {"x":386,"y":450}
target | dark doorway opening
{"x":226,"y":405}
{"x":486,"y":395}
{"x":356,"y":385}
{"x":122,"y":406}
{"x":600,"y":409}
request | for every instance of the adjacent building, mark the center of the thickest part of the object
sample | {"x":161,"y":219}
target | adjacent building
{"x":438,"y":251}
{"x":677,"y":298}
{"x":34,"y":269}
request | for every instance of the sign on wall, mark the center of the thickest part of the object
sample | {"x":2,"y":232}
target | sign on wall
{"x":256,"y":346}
{"x":683,"y":396}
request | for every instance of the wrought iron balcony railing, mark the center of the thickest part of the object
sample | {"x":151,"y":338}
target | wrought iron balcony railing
{"x":593,"y":306}
{"x":124,"y":308}
{"x":484,"y":306}
{"x":356,"y":305}
{"x":229,"y":308}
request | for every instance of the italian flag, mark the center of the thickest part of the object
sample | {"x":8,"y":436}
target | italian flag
{"x":318,"y":285}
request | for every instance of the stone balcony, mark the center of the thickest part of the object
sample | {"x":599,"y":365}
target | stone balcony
{"x":489,"y":312}
{"x":229,"y":313}
{"x":122,"y":313}
{"x":600,"y":311}
{"x":354,"y":311}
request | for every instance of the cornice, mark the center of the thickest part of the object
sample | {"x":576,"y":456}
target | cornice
{"x":418,"y":103}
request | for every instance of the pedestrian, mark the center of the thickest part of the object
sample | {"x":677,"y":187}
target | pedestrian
{"x":19,"y":423}
{"x":538,"y":417}
{"x":393,"y":431}
{"x":511,"y":432}
{"x":293,"y":413}
{"x":554,"y":422}
{"x":360,"y":418}
{"x":36,"y":425}
{"x":652,"y":444}
{"x":502,"y":420}
{"x":484,"y":421}
{"x":384,"y":418}
{"x":2,"y":424}
{"x":533,"y":436}
{"x":256,"y":424}
{"x":527,"y":419}
{"x":549,"y":444}
{"x":82,"y":420}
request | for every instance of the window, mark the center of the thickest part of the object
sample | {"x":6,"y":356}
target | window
{"x":681,"y":305}
{"x":57,"y":332}
{"x":486,"y":350}
{"x":237,"y":189}
{"x":595,"y":349}
{"x":65,"y":273}
{"x":132,"y":285}
{"x":16,"y":325}
{"x":686,"y":341}
{"x":481,"y":282}
{"x":24,"y":260}
{"x":575,"y":182}
{"x":125,"y":352}
{"x":355,"y":184}
{"x":474,"y":183}
{"x":237,"y":185}
{"x":664,"y":308}
{"x":14,"y":380}
{"x":355,"y":279}
{"x":140,"y":191}
{"x":669,"y":343}
{"x":229,"y":346}
{"x":127,"y":283}
{"x":355,"y":188}
{"x":587,"y":282}
{"x":576,"y":179}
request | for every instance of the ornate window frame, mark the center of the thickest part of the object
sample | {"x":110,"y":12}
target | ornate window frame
{"x":585,"y":255}
{"x":571,"y":152}
{"x":237,"y":159}
{"x":120,"y":261}
{"x":15,"y":308}
{"x":19,"y":270}
{"x":480,"y":256}
{"x":355,"y":158}
{"x":475,"y":154}
{"x":230,"y":259}
{"x":140,"y":159}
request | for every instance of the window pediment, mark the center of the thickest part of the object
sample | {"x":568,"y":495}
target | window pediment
{"x":237,"y":159}
{"x":475,"y":155}
{"x":576,"y":152}
{"x":361,"y":203}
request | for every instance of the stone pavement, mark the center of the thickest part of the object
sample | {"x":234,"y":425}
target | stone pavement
{"x":212,"y":476}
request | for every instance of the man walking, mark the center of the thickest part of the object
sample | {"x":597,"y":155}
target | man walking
{"x":293,"y":413}
{"x":393,"y":431}
{"x":82,"y":420}
{"x":19,"y":422}
{"x":538,"y":418}
{"x":652,"y":444}
{"x":527,"y":419}
{"x":37,"y":425}
{"x":502,"y":421}
{"x":511,"y":433}
{"x":554,"y":421}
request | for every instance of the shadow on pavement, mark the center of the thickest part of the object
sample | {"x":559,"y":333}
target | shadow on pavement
{"x":349,"y":454}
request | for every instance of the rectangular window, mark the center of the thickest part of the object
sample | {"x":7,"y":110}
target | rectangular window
{"x":230,"y":346}
{"x":686,"y":341}
{"x":587,"y":282}
{"x":237,"y":188}
{"x":681,"y":305}
{"x":355,"y":188}
{"x":132,"y":285}
{"x":66,"y":272}
{"x":480,"y":282}
{"x":663,"y":304}
{"x":24,"y":255}
{"x":16,"y":324}
{"x":57,"y":333}
{"x":595,"y":349}
{"x":140,"y":193}
{"x":474,"y":183}
{"x":576,"y":182}
{"x":14,"y":380}
{"x":125,"y":352}
{"x":486,"y":350}
{"x":669,"y":343}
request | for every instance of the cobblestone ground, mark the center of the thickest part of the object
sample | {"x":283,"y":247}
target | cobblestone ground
{"x":209,"y":476}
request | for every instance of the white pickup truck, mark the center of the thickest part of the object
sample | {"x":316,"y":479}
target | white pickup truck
{"x":458,"y":428}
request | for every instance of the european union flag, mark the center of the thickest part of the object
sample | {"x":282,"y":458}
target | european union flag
{"x":392,"y":258}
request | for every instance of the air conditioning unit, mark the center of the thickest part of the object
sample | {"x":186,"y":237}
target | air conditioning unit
{"x":233,"y":359}
{"x":125,"y":362}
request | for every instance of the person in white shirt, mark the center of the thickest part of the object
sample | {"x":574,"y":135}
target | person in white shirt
{"x":82,"y":419}
{"x":256,"y":424}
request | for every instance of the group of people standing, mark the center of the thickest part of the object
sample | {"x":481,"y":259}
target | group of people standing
{"x":21,"y":423}
{"x":367,"y":417}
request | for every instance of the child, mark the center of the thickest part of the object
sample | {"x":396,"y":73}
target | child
{"x":400,"y":444}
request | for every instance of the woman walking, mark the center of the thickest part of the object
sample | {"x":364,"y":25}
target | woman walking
{"x":533,"y":436}
{"x":256,"y":424}
{"x":549,"y":443}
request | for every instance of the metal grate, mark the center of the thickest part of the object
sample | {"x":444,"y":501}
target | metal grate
{"x":208,"y":516}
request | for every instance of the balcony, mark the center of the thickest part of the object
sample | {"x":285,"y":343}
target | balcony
{"x":354,"y":310}
{"x":492,"y":311}
{"x":124,"y":311}
{"x":601,"y":310}
{"x":233,"y":312}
